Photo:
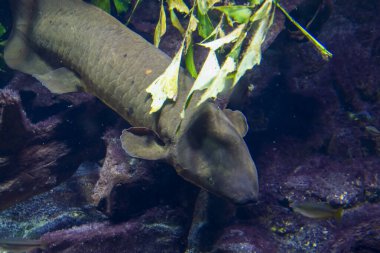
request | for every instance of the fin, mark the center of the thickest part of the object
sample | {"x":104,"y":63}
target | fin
{"x":339,"y":214}
{"x":60,"y":81}
{"x":143,"y":143}
{"x":238,"y":120}
{"x":20,"y":56}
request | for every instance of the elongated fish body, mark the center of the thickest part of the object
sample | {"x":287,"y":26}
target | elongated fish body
{"x":70,"y":45}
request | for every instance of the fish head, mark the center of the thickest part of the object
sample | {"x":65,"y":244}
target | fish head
{"x":212,"y":154}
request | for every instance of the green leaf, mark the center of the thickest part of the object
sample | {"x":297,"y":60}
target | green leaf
{"x":189,"y":61}
{"x":239,"y":13}
{"x":202,"y":7}
{"x":2,"y":30}
{"x":166,"y":85}
{"x":121,"y":5}
{"x":205,"y":26}
{"x":326,"y":55}
{"x":175,"y":22}
{"x":103,"y":4}
{"x":161,"y":26}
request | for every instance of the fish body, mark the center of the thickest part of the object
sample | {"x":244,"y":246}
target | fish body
{"x":317,"y":210}
{"x":70,"y":45}
{"x":20,"y":245}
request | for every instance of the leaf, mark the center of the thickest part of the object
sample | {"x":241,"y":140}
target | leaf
{"x":3,"y":30}
{"x":189,"y":61}
{"x":205,"y":27}
{"x":263,"y":11}
{"x":217,"y":32}
{"x":161,"y":26}
{"x":179,"y":5}
{"x":166,"y":85}
{"x":219,"y":83}
{"x":208,"y":72}
{"x":175,"y":22}
{"x":202,"y":7}
{"x":239,"y":13}
{"x":326,"y":55}
{"x":121,"y":5}
{"x":252,"y":55}
{"x":103,"y":4}
{"x":191,"y":27}
{"x":133,"y":11}
{"x":211,"y":3}
{"x":232,"y":36}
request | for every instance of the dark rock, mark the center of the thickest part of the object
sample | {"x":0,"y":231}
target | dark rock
{"x":242,"y":238}
{"x":160,"y":229}
{"x":64,"y":206}
{"x":128,"y":186}
{"x":37,"y":156}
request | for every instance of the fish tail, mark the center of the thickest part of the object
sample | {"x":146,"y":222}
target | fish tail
{"x":339,"y":214}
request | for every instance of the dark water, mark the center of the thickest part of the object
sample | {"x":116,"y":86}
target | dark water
{"x":314,"y":136}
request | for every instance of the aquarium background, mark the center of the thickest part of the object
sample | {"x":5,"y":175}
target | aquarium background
{"x":314,"y":135}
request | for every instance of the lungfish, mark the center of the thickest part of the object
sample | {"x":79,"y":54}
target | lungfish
{"x":70,"y":46}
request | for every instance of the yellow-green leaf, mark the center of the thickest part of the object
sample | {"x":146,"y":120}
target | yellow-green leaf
{"x":175,"y":22}
{"x":232,"y":36}
{"x":166,"y":85}
{"x":191,"y":27}
{"x":326,"y":55}
{"x":179,"y":5}
{"x":252,"y":55}
{"x":220,"y":82}
{"x":161,"y":26}
{"x":239,"y":13}
{"x":133,"y":10}
{"x":263,"y":11}
{"x":208,"y":72}
{"x":211,"y":3}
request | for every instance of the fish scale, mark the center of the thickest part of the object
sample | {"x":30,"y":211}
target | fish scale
{"x":112,"y":37}
{"x":116,"y":65}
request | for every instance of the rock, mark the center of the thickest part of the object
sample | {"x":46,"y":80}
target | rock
{"x":42,"y":146}
{"x":128,"y":186}
{"x":160,"y":229}
{"x":64,"y":206}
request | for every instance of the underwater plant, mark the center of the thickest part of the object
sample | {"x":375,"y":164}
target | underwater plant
{"x":249,"y":24}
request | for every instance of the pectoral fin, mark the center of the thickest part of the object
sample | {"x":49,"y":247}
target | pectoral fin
{"x":19,"y":55}
{"x":238,"y":120}
{"x":143,"y":143}
{"x":60,"y":81}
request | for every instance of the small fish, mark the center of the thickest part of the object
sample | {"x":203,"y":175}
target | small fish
{"x":372,"y":130}
{"x":20,"y":245}
{"x":317,"y":210}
